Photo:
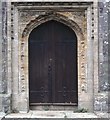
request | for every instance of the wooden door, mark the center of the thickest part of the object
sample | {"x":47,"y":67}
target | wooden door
{"x":53,"y":64}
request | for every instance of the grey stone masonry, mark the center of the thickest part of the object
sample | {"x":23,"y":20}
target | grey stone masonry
{"x":4,"y":47}
{"x":109,"y":54}
{"x":102,"y":98}
{"x":103,"y":46}
{"x":0,"y":56}
{"x":4,"y":94}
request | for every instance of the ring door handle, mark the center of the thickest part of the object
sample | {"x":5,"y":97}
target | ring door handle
{"x":50,"y":65}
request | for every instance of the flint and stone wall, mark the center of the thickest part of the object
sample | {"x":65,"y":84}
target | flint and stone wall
{"x":1,"y":57}
{"x":5,"y":81}
{"x":102,"y":99}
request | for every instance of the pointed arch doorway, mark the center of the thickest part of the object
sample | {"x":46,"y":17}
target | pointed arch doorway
{"x":53,"y":73}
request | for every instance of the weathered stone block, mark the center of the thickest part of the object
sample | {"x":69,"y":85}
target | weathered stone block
{"x":101,"y":103}
{"x":6,"y":103}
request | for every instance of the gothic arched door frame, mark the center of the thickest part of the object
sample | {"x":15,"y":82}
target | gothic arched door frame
{"x":81,"y":56}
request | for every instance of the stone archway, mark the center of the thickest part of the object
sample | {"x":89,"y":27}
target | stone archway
{"x":23,"y":66}
{"x":52,"y":16}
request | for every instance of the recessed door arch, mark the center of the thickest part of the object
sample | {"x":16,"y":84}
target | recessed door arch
{"x":53,"y":64}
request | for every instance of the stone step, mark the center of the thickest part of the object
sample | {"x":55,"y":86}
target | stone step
{"x":54,"y":115}
{"x":55,"y":119}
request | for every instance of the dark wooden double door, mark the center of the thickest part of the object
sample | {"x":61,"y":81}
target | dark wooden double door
{"x":53,"y":64}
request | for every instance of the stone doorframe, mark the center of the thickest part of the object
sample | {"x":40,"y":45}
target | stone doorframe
{"x":24,"y":18}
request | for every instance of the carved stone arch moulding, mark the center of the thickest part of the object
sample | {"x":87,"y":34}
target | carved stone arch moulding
{"x":52,"y":16}
{"x":80,"y":48}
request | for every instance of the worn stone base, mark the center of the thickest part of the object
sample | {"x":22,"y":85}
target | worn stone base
{"x":55,"y":119}
{"x":2,"y":114}
{"x":56,"y":115}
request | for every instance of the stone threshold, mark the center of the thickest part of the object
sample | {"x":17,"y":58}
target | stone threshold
{"x":57,"y":115}
{"x":51,"y":114}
